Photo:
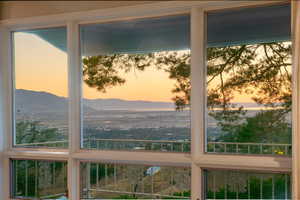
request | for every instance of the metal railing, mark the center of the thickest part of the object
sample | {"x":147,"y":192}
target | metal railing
{"x":54,"y":144}
{"x":26,"y":179}
{"x":136,"y":193}
{"x":249,"y":148}
{"x":246,"y":185}
{"x":132,"y":144}
{"x":119,"y":144}
{"x":171,"y":146}
{"x":112,"y":183}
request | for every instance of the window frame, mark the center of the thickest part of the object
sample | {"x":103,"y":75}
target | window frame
{"x":197,"y":158}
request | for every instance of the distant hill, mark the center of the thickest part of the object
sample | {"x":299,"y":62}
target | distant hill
{"x":44,"y":102}
{"x":39,"y":102}
{"x":119,"y":104}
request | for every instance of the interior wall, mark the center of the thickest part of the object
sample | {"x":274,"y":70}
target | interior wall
{"x":20,"y":9}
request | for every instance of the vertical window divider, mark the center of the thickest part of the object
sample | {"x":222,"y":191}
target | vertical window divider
{"x":74,"y":81}
{"x":198,"y":82}
{"x":296,"y":100}
{"x":6,"y":108}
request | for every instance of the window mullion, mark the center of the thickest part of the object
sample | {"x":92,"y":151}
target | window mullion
{"x":296,"y":99}
{"x":74,"y":80}
{"x":197,"y":97}
{"x":5,"y":110}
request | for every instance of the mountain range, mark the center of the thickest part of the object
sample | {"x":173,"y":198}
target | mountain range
{"x":44,"y":102}
{"x":40,"y":102}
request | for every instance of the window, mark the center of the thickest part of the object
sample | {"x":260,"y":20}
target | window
{"x":249,"y":81}
{"x":136,"y":84}
{"x":41,"y":89}
{"x":188,"y":100}
{"x":124,"y":181}
{"x":38,"y":179}
{"x":246,"y":185}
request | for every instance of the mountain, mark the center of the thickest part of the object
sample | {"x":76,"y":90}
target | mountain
{"x":28,"y":101}
{"x":119,"y":104}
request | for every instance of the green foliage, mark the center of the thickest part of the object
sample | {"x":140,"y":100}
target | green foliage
{"x":33,"y":131}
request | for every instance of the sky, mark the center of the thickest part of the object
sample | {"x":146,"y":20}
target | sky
{"x":39,"y":66}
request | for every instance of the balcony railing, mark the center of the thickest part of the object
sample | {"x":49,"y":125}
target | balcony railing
{"x":249,"y":148}
{"x":246,"y":185}
{"x":159,"y":196}
{"x":172,"y":146}
{"x":118,"y":181}
{"x":132,"y":144}
{"x":30,"y":181}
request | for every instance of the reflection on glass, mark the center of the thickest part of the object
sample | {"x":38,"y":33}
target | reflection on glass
{"x":120,"y":181}
{"x":41,"y":108}
{"x":246,"y":185}
{"x":33,"y":179}
{"x":249,"y":85}
{"x":136,"y":85}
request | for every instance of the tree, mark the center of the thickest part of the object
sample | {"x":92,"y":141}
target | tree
{"x":260,"y":70}
{"x":32,"y":132}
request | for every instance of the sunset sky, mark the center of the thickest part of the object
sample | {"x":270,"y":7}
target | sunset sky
{"x":41,"y":67}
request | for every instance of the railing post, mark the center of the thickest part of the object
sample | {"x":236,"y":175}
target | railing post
{"x":36,"y":178}
{"x":260,"y":148}
{"x":26,"y":178}
{"x":88,"y":179}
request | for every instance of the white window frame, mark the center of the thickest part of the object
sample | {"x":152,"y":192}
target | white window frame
{"x":197,"y":159}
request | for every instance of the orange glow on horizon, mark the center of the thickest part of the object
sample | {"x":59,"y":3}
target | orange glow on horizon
{"x":39,"y":66}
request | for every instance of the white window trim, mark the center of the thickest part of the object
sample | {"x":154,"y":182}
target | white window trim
{"x":197,"y":159}
{"x":296,"y":100}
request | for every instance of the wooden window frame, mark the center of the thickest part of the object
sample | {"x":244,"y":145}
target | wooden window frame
{"x":197,"y":159}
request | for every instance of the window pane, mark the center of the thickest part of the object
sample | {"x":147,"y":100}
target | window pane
{"x":249,"y":86}
{"x":33,"y":179}
{"x":122,"y":181}
{"x":41,"y":88}
{"x":246,"y":185}
{"x":136,"y":85}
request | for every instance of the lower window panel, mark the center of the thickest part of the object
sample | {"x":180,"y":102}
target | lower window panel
{"x":123,"y":181}
{"x":32,"y":179}
{"x":229,"y":184}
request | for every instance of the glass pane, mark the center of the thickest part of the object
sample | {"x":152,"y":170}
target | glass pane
{"x":33,"y":179}
{"x":249,"y":90}
{"x":246,"y":185}
{"x":41,"y":88}
{"x":122,"y":181}
{"x":136,"y":85}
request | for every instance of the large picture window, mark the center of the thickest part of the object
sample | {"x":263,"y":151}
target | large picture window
{"x":136,"y":85}
{"x":186,"y":100}
{"x":41,"y":88}
{"x":222,"y":184}
{"x":123,"y":181}
{"x":249,"y":81}
{"x":32,"y":179}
